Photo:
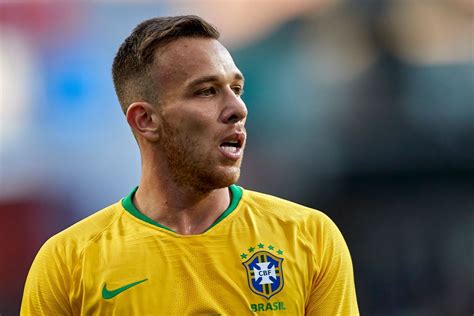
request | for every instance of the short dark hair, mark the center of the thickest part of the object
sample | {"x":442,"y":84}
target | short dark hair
{"x":133,"y":61}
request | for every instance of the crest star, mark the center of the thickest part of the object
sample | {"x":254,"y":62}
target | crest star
{"x":270,"y":247}
{"x":243,"y":256}
{"x":260,"y":245}
{"x":251,"y":249}
{"x":280,"y":252}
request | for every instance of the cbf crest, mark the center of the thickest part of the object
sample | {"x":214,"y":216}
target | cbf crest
{"x":264,"y":271}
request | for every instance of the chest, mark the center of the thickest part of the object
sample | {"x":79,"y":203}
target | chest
{"x":147,"y":274}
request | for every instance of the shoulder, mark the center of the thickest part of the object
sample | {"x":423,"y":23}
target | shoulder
{"x":314,"y":228}
{"x":284,"y":210}
{"x":278,"y":207}
{"x":54,"y":273}
{"x":68,"y":244}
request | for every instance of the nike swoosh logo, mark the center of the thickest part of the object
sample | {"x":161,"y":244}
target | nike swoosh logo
{"x":107,"y":295}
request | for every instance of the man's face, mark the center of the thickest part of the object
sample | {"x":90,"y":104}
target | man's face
{"x":202,"y":113}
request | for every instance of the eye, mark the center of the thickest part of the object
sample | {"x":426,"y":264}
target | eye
{"x":238,"y":90}
{"x":206,"y":92}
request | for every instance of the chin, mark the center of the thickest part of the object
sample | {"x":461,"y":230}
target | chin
{"x":222,"y":178}
{"x":206,"y":177}
{"x":227,"y":181}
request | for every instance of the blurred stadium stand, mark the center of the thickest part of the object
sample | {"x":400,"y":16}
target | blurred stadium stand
{"x":363,"y":109}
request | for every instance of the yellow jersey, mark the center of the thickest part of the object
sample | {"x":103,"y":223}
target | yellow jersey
{"x":263,"y":256}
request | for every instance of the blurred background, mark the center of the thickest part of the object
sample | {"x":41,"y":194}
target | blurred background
{"x":363,"y":109}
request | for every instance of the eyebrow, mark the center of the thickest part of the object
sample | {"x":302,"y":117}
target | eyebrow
{"x":211,"y":78}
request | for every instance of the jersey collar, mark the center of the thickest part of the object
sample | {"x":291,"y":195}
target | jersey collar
{"x":127,"y":203}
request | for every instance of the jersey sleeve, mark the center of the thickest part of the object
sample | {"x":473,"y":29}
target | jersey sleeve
{"x":333,"y":290}
{"x":47,"y":285}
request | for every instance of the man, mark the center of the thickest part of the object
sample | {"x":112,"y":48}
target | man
{"x":187,"y":240}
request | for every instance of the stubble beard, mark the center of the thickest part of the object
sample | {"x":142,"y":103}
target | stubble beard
{"x":191,"y":168}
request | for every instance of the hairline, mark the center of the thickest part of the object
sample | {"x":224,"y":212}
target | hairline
{"x":153,"y":69}
{"x":140,"y":48}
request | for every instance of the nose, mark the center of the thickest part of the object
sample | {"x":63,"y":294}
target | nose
{"x":235,"y":109}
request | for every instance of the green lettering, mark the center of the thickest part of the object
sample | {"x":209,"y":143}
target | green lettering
{"x":275,"y":306}
{"x":269,"y":307}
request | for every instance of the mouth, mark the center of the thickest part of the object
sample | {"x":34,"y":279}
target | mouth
{"x":232,"y":146}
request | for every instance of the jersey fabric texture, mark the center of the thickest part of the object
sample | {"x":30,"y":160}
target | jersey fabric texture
{"x":263,"y":256}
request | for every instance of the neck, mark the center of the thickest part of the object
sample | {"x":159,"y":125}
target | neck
{"x":185,"y":210}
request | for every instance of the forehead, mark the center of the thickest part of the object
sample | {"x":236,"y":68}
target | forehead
{"x":187,"y":59}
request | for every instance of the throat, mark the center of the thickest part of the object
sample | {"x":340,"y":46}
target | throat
{"x":181,"y":216}
{"x":192,"y":226}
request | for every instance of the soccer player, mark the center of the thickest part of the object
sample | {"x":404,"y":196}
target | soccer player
{"x":187,"y":240}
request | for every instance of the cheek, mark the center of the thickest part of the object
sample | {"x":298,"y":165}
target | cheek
{"x":193,"y":122}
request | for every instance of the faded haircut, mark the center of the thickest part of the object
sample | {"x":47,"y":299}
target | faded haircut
{"x":131,"y":68}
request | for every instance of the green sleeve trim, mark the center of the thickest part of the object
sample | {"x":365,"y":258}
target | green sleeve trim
{"x":127,"y":203}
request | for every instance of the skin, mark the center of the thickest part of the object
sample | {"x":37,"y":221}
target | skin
{"x":185,"y":174}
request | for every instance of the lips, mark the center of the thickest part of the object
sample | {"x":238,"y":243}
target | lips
{"x":232,"y":145}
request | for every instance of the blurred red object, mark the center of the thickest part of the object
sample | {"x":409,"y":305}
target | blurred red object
{"x":43,"y":21}
{"x":25,"y":224}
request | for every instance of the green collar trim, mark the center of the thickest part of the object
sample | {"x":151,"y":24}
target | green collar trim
{"x":236,"y":195}
{"x":128,"y":205}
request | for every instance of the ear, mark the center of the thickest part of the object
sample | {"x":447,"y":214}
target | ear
{"x":144,"y":120}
